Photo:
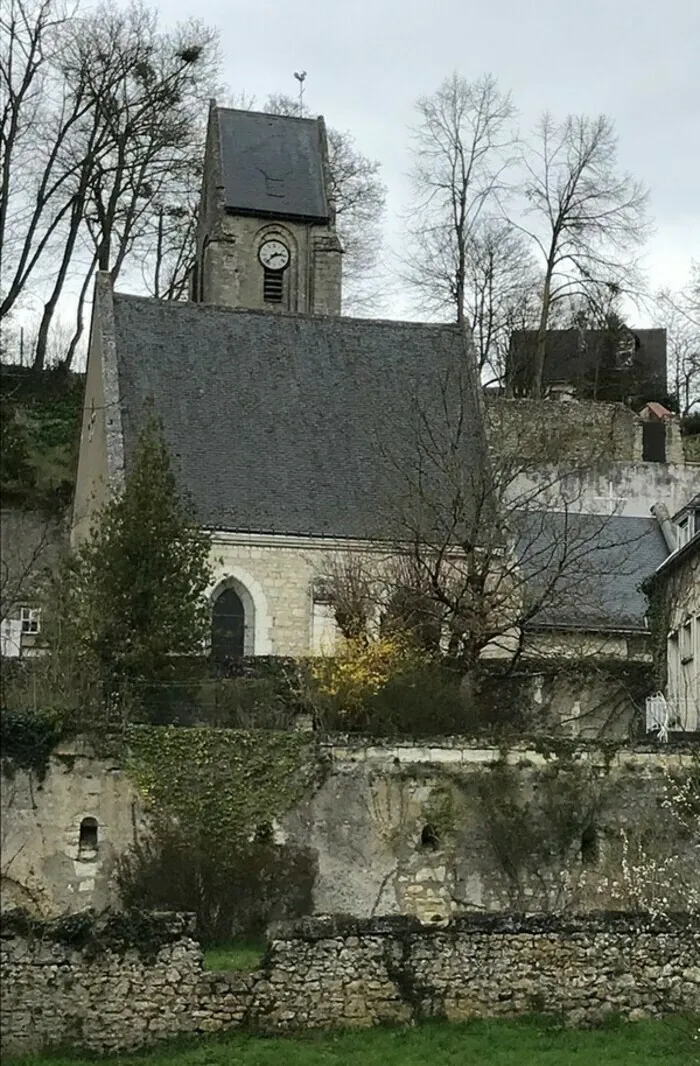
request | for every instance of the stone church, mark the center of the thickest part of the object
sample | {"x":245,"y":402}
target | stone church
{"x":291,"y":427}
{"x":302,"y":435}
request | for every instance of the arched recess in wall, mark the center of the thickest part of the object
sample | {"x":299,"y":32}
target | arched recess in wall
{"x":290,"y":276}
{"x":239,"y":618}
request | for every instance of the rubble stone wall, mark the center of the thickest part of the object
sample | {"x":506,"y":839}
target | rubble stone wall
{"x":66,"y":984}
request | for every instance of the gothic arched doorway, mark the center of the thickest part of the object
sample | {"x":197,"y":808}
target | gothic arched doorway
{"x":228,"y":626}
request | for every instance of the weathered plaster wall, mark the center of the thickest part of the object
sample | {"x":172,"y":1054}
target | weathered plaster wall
{"x":367,"y":821}
{"x":42,"y":865}
{"x":619,"y":488}
{"x":365,"y":824}
{"x":326,"y":973}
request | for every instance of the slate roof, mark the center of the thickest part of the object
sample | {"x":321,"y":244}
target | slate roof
{"x":289,"y":423}
{"x":586,"y":570}
{"x":584,"y":360}
{"x":273,"y":165}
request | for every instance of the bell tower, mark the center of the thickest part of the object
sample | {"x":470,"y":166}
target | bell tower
{"x":266,"y":235}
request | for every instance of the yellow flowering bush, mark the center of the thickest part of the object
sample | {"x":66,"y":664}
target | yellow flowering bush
{"x":362,"y":668}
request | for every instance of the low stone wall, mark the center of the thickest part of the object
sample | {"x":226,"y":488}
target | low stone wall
{"x":121,"y":982}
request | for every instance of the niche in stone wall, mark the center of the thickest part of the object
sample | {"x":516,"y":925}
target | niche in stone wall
{"x":589,"y":846}
{"x":87,"y":844}
{"x":429,"y":838}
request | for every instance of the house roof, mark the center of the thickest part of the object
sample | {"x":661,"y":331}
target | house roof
{"x":689,"y":550}
{"x":289,"y":423}
{"x":273,"y":164}
{"x":658,"y":410}
{"x":586,"y":570}
{"x":692,"y":505}
{"x":585,"y":359}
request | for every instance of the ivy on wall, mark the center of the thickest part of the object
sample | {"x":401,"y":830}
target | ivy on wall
{"x":659,"y":619}
{"x":221,"y":785}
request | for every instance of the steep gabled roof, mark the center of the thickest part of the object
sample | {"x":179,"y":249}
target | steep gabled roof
{"x":289,"y":423}
{"x":273,"y":165}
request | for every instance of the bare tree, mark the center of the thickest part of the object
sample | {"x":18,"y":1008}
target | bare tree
{"x":462,"y":149}
{"x":109,"y":152}
{"x":585,"y":218}
{"x":501,"y":292}
{"x":359,"y":198}
{"x":681,"y":313}
{"x":36,"y":195}
{"x":488,"y":556}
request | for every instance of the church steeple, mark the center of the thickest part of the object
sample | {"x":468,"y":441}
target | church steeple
{"x":266,"y":233}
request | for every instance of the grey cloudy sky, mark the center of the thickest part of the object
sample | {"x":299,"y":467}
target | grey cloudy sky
{"x":368,"y":60}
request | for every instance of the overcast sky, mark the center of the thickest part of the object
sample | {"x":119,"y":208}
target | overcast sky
{"x":367,"y":61}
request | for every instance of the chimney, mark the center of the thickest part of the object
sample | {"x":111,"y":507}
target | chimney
{"x":660,"y":513}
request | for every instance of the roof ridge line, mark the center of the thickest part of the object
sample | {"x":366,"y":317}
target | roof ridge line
{"x":452,"y":327}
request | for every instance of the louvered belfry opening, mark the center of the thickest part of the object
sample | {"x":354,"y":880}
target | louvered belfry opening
{"x":273,"y":286}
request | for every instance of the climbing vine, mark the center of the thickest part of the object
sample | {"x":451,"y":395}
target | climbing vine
{"x":534,"y":831}
{"x":221,"y":784}
{"x":658,"y":618}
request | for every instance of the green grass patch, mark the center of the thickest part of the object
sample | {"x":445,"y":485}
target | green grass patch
{"x":528,"y":1042}
{"x":234,"y":956}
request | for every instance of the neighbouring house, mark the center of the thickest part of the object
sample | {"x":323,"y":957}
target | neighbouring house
{"x":620,"y":364}
{"x":31,"y":542}
{"x":674,"y":593}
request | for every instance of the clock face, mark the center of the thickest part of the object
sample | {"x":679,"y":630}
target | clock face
{"x":274,"y":255}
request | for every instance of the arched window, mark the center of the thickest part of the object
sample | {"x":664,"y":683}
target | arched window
{"x":228,"y":637}
{"x":88,"y":835}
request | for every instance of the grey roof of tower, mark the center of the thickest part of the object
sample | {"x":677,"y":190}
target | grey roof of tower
{"x":288,"y":423}
{"x":272,"y":165}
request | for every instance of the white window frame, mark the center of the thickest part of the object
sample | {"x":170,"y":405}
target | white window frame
{"x":30,"y":618}
{"x":684,"y":530}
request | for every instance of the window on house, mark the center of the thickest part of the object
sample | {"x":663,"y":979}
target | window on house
{"x":324,"y":630}
{"x":273,"y":286}
{"x":685,"y":641}
{"x":30,"y":618}
{"x":685,"y":531}
{"x":88,"y":835}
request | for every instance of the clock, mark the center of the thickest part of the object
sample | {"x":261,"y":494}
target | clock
{"x":274,"y":255}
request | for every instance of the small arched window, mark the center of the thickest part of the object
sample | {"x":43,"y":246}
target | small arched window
{"x":228,"y":626}
{"x":429,"y":838}
{"x":88,"y":835}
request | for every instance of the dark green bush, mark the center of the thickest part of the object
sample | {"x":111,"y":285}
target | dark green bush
{"x":233,"y":893}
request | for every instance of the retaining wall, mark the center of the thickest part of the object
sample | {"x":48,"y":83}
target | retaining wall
{"x":119,"y":982}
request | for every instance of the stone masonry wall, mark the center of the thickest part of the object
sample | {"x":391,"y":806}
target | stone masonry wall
{"x":96,"y":989}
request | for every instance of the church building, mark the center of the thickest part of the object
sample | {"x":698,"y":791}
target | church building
{"x":291,"y":427}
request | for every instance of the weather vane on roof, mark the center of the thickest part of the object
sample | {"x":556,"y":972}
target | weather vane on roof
{"x":301,"y":78}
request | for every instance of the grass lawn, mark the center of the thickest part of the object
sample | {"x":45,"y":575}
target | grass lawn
{"x":234,"y":956}
{"x":480,"y":1043}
